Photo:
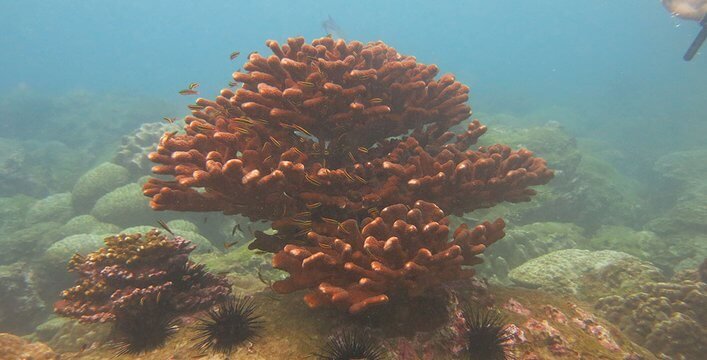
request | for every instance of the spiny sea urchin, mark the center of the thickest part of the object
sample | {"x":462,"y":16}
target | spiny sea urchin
{"x":349,"y":345}
{"x":486,"y":337}
{"x":143,"y":332}
{"x":228,"y":325}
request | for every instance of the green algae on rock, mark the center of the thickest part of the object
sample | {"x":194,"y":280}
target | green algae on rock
{"x":96,"y":183}
{"x":28,"y":243}
{"x":585,"y":274}
{"x":124,"y":206}
{"x":21,"y":309}
{"x":51,"y":268}
{"x":203,"y":245}
{"x":55,"y":208}
{"x":87,"y":224}
{"x":667,"y":317}
{"x":526,"y":242}
{"x":13,"y":348}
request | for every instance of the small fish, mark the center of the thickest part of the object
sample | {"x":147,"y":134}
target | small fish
{"x":330,"y":220}
{"x":360,"y":179}
{"x":206,"y":219}
{"x":302,"y":130}
{"x":312,"y":181}
{"x":164,"y":226}
{"x":188,"y":92}
{"x":232,"y":83}
{"x":303,"y":214}
{"x":201,"y":127}
{"x":352,"y":157}
{"x":267,"y":158}
{"x":168,"y":136}
{"x":193,"y":86}
{"x":329,"y":36}
{"x":363,"y":149}
{"x":287,"y":195}
{"x":195,"y":107}
{"x":234,"y":55}
{"x":314,"y":205}
{"x":294,"y":106}
{"x":236,"y":227}
{"x":376,"y":101}
{"x":312,"y":58}
{"x":169,"y":120}
{"x":324,"y":246}
{"x":244,"y":120}
{"x":306,"y":84}
{"x":302,"y":222}
{"x":364,"y":77}
{"x":341,"y":227}
{"x":242,"y":130}
{"x":227,"y":245}
{"x":275,"y":142}
{"x":348,"y":176}
{"x":373,"y":212}
{"x":298,"y":151}
{"x":159,"y":297}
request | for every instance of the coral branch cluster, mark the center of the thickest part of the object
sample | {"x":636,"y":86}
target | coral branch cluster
{"x":405,"y":249}
{"x":320,"y":137}
{"x":135,"y":273}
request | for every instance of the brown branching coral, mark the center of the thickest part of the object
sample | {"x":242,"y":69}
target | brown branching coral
{"x":135,"y":273}
{"x":315,"y":131}
{"x":401,"y":250}
{"x":320,"y":138}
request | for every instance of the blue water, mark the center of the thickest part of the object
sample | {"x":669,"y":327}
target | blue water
{"x":597,"y":57}
{"x":608,"y":72}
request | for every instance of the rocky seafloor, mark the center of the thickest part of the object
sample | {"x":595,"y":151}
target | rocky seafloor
{"x":591,"y":269}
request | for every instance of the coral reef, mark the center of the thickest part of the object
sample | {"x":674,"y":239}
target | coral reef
{"x":97,"y":182}
{"x":320,"y":138}
{"x":401,"y":250}
{"x":21,"y":309}
{"x":666,"y":317}
{"x":313,"y":130}
{"x":134,"y":272}
{"x":586,"y":191}
{"x":55,"y":208}
{"x":681,"y":227}
{"x":123,"y":206}
{"x":523,"y":243}
{"x":412,"y":332}
{"x":51,"y":272}
{"x":13,"y":348}
{"x":585,"y":274}
{"x":135,"y":147}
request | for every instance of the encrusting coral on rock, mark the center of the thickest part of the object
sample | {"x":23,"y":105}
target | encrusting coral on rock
{"x":320,"y":138}
{"x":666,"y":317}
{"x":134,"y":273}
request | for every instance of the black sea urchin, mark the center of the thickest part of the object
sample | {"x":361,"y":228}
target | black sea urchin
{"x":228,"y":325}
{"x":349,"y":345}
{"x":143,"y":332}
{"x":486,"y":337}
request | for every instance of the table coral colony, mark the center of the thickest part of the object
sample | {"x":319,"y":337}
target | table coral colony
{"x":347,"y":149}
